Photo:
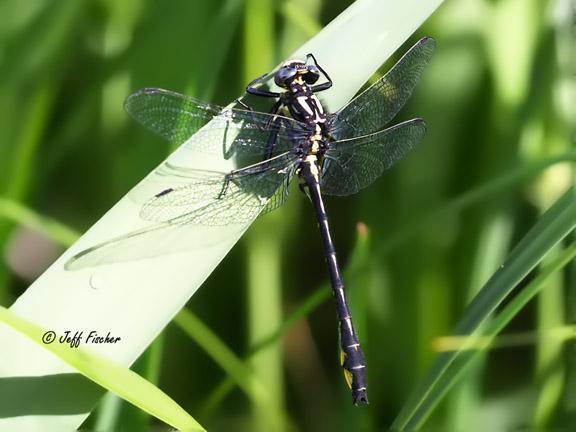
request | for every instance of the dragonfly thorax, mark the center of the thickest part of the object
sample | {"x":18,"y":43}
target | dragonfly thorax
{"x":302,"y":103}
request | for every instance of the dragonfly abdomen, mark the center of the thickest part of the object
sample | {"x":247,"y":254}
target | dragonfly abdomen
{"x":352,"y":356}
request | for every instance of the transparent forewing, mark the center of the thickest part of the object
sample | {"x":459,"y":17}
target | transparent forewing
{"x":372,"y":109}
{"x":150,"y":242}
{"x":222,"y":131}
{"x":351,"y":165}
{"x":281,"y":195}
{"x":210,"y":199}
{"x":221,"y":199}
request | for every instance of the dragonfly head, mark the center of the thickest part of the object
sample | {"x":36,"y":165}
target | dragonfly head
{"x":294,"y":69}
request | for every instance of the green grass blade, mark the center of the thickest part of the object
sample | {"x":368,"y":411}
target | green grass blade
{"x":496,"y":186}
{"x":528,"y":293}
{"x":469,"y":349}
{"x":112,"y":376}
{"x":53,"y":229}
{"x":221,"y":34}
{"x":295,"y":13}
{"x":552,"y":227}
{"x":237,"y":370}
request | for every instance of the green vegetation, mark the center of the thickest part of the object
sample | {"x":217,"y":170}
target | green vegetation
{"x":471,"y":234}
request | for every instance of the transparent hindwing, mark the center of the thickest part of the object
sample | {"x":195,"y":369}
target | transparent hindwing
{"x":353,"y":164}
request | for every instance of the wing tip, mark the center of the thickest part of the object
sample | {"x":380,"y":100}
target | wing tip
{"x":76,"y":262}
{"x":421,"y":121}
{"x":69,"y":265}
{"x":428,"y":43}
{"x":427,"y":40}
{"x":417,"y":121}
{"x":422,"y":125}
{"x":138,"y":93}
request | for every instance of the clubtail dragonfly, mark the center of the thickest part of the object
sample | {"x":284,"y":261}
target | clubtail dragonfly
{"x":332,"y":154}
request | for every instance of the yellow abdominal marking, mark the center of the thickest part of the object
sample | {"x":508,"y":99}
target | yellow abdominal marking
{"x":315,"y":138}
{"x":311,"y":160}
{"x":347,"y":375}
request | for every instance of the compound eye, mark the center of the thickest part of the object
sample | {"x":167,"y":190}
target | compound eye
{"x":283,"y":75}
{"x":312,"y":75}
{"x":314,"y":69}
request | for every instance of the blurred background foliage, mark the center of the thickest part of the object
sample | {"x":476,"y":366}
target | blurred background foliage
{"x":499,"y":100}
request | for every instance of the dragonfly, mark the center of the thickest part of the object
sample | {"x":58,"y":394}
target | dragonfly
{"x":336,"y":153}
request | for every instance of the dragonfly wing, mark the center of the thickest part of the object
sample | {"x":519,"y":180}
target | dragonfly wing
{"x":150,"y":242}
{"x":281,"y":194}
{"x":171,"y":115}
{"x":222,"y":199}
{"x":222,"y":131}
{"x":353,"y":164}
{"x":372,"y":109}
{"x":179,"y":211}
{"x":137,"y":244}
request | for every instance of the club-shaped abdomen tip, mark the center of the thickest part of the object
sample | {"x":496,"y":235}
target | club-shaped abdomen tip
{"x":360,"y":397}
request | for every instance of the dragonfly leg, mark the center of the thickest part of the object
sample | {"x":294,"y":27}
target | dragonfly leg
{"x":228,"y":178}
{"x":275,"y":127}
{"x":225,"y":185}
{"x":244,"y":105}
{"x":239,"y":173}
{"x":272,"y":124}
{"x":252,"y":89}
{"x":275,"y":108}
{"x":323,"y":86}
